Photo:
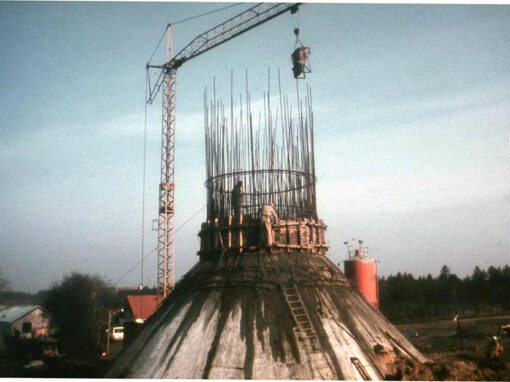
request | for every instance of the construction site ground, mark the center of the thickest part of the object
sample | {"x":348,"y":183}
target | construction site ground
{"x":58,"y":366}
{"x":435,"y":340}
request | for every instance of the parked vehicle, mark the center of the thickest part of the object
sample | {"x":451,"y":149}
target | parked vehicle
{"x":118,"y":333}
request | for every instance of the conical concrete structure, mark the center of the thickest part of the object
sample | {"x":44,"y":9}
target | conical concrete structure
{"x":264,"y":301}
{"x":230,"y":318}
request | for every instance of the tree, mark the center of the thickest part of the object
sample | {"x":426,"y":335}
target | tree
{"x":445,"y":273}
{"x":80,"y":304}
{"x":4,"y":283}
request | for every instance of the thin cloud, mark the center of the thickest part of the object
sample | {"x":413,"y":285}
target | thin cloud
{"x":397,"y":111}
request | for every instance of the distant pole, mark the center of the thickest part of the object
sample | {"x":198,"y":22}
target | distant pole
{"x":108,"y":335}
{"x":111,"y":312}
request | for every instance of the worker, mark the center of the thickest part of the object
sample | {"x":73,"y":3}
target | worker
{"x":237,"y":198}
{"x":494,"y":350}
{"x":459,"y":335}
{"x":268,"y":216}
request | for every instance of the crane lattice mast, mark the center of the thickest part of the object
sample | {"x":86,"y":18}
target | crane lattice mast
{"x":166,"y":78}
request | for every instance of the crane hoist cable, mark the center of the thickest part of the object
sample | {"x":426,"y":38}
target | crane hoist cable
{"x":301,"y":55}
{"x":297,"y":43}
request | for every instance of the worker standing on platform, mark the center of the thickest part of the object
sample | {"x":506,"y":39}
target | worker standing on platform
{"x":268,"y":216}
{"x":237,"y":198}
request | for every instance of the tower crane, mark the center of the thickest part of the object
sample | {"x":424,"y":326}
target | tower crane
{"x":166,"y":80}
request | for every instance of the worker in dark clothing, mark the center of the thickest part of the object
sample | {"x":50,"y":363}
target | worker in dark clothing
{"x":237,"y":198}
{"x":459,"y":335}
{"x":267,"y":218}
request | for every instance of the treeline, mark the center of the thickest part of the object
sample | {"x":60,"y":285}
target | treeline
{"x":405,"y":298}
{"x":22,"y":298}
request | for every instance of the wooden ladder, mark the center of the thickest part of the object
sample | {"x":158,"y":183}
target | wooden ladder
{"x":306,"y":332}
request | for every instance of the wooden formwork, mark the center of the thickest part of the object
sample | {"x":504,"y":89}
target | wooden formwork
{"x":242,"y":234}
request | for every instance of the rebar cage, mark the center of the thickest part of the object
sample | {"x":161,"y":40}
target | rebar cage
{"x":288,"y":190}
{"x":275,"y":161}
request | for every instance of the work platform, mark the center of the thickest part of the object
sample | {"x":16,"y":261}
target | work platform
{"x":242,"y":234}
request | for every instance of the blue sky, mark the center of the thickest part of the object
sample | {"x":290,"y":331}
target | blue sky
{"x":412,"y":116}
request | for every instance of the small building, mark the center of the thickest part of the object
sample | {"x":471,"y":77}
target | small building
{"x":25,"y":321}
{"x":141,"y":307}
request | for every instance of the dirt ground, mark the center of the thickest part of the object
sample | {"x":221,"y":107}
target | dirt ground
{"x":451,"y":361}
{"x":62,"y":366}
{"x":459,"y":357}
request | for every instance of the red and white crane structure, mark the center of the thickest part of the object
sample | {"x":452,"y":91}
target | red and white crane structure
{"x":166,"y":79}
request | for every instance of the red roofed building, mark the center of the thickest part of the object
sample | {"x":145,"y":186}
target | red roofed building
{"x":141,"y":307}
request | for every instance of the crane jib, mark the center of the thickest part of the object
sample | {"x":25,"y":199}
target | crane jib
{"x":220,"y":34}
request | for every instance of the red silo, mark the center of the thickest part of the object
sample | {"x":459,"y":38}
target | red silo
{"x":362,"y":272}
